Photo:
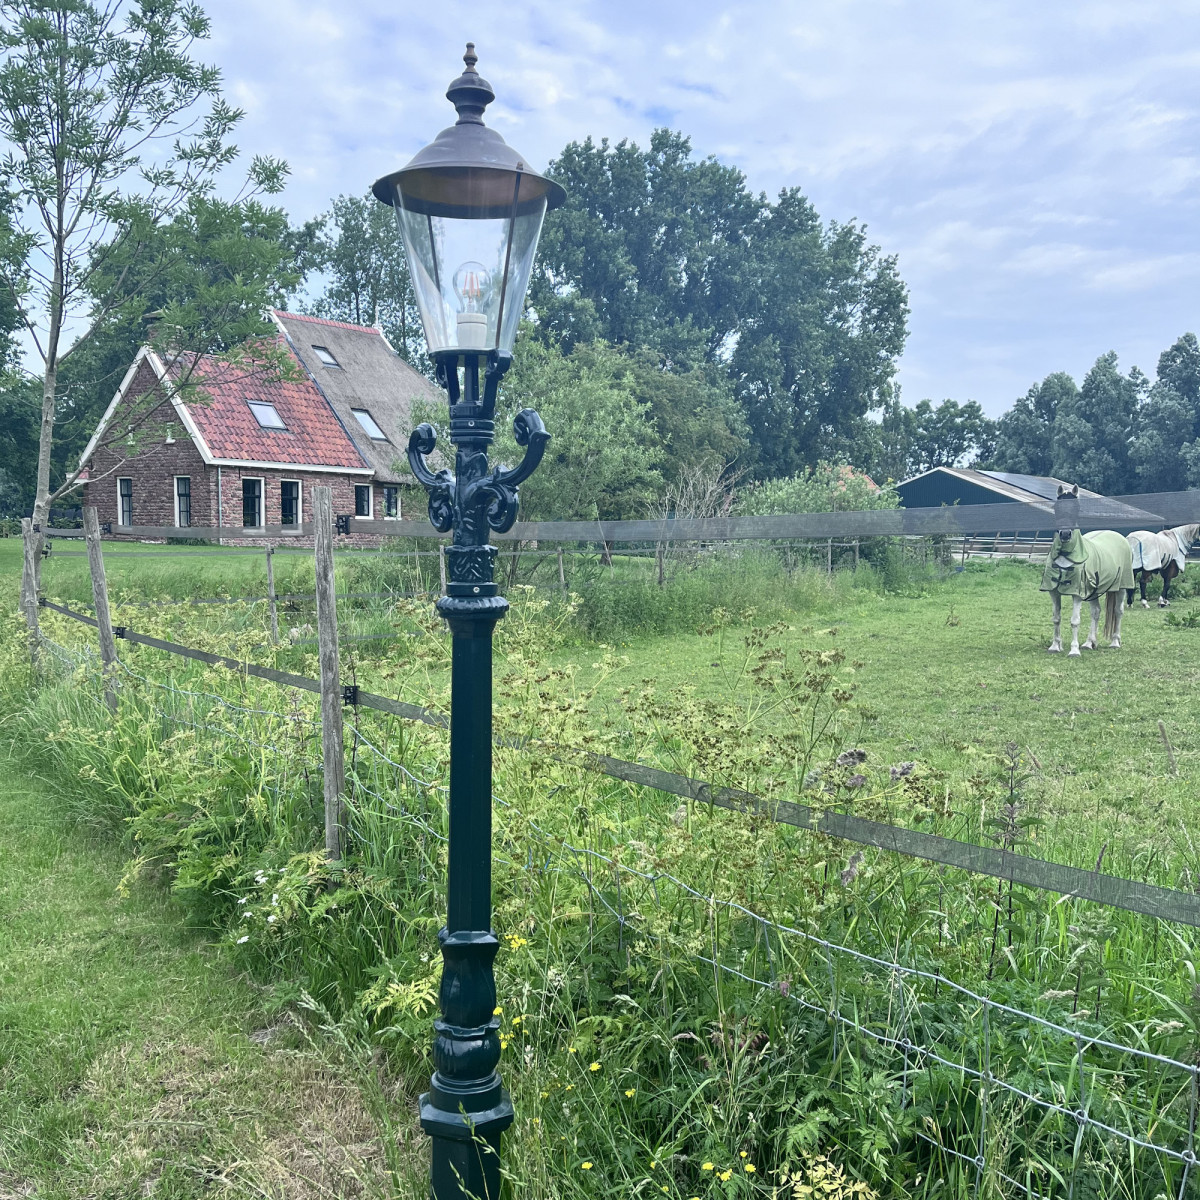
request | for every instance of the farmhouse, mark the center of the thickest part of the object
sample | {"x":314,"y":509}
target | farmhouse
{"x":240,"y":447}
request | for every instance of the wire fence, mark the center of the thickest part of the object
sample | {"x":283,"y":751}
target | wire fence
{"x":961,"y":1070}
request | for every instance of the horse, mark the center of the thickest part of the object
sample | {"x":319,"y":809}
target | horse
{"x":1086,"y":567}
{"x":1162,"y":554}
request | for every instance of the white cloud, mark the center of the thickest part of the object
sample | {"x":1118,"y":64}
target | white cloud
{"x":1033,"y":166}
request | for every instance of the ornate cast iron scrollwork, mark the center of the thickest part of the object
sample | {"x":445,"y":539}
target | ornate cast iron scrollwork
{"x":439,"y":485}
{"x":480,"y":500}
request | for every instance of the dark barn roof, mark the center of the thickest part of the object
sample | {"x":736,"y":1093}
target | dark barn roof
{"x":368,"y":375}
{"x":962,"y":485}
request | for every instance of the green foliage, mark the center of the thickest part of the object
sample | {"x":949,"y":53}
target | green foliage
{"x":826,"y":487}
{"x":362,"y":256}
{"x":603,"y":461}
{"x":656,"y":249}
{"x":1117,"y":434}
{"x":116,"y":130}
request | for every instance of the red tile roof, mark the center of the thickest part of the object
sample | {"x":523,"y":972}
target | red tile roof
{"x":314,"y":436}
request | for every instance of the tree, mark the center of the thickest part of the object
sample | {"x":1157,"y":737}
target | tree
{"x":950,"y":435}
{"x":102,"y":105}
{"x":1025,"y":434}
{"x":651,"y":249}
{"x":362,"y":255}
{"x":818,"y":345}
{"x":604,"y":457}
{"x":1166,"y":451}
{"x":695,"y":415}
{"x":1092,"y":433}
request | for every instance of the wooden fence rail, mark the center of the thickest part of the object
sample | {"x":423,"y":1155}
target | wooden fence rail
{"x":1076,"y":882}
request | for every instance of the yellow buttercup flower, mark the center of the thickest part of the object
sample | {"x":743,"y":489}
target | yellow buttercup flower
{"x":631,"y":1092}
{"x":587,"y":1166}
{"x":726,"y":1176}
{"x":594,"y":1067}
{"x":707,"y":1167}
{"x":744,"y":1155}
{"x":749,"y":1168}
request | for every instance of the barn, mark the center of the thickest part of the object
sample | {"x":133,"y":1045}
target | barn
{"x":948,"y":486}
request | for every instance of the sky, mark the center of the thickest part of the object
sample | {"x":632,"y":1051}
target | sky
{"x":1034,"y":167}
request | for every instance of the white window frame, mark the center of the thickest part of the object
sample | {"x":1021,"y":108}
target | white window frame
{"x":333,"y":364}
{"x":175,"y":488}
{"x":399,"y":508}
{"x":370,"y":501}
{"x":299,"y":500}
{"x":358,"y":414}
{"x":282,"y":427}
{"x":262,"y":501}
{"x":120,"y":480}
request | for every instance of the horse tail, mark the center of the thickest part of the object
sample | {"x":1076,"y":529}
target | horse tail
{"x":1112,"y":610}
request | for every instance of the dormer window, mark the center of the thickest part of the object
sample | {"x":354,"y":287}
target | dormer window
{"x":326,"y":357}
{"x":369,"y":423}
{"x":266,"y":415}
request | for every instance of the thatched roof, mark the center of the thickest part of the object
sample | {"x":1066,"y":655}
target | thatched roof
{"x":368,"y":376}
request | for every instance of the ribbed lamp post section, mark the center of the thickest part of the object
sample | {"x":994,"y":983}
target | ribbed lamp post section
{"x":470,"y":214}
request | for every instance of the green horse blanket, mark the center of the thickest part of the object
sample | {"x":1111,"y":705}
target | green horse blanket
{"x":1088,"y":565}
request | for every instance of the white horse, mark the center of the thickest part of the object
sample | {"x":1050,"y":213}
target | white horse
{"x":1086,"y":567}
{"x":1162,"y":554}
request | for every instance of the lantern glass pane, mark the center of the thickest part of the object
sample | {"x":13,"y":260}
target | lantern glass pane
{"x":458,"y":263}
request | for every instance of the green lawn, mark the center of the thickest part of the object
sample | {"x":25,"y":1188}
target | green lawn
{"x":132,"y":1061}
{"x":960,"y":671}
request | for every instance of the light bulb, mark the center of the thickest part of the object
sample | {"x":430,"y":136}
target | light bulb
{"x":472,"y":283}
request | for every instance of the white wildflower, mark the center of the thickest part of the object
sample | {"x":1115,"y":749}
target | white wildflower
{"x":243,"y":939}
{"x":272,"y":919}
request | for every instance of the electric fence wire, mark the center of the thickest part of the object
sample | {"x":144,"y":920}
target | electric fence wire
{"x":558,"y":855}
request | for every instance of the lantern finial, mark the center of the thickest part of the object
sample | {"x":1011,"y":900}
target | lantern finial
{"x":470,"y":93}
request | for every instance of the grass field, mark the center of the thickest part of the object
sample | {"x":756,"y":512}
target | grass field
{"x":1058,"y":758}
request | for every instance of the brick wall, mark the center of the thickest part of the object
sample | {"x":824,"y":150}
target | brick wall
{"x":162,"y":451}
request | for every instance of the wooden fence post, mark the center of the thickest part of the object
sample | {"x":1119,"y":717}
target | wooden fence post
{"x":442,"y":565}
{"x":562,"y":578}
{"x":659,"y":554}
{"x":331,"y":688}
{"x":108,"y":643}
{"x":271,"y":603}
{"x":29,"y":599}
{"x":856,"y":554}
{"x":829,"y":557}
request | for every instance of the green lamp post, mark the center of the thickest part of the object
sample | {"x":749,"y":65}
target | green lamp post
{"x":470,"y":214}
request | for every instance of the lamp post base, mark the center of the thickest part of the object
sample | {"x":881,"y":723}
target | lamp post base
{"x":466,"y":1149}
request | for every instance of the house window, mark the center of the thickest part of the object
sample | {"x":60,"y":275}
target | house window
{"x":266,"y":415}
{"x":326,"y":357}
{"x":289,"y":502}
{"x":124,"y":501}
{"x":252,"y":503}
{"x":362,"y":500}
{"x":183,"y":500}
{"x":391,"y":501}
{"x":369,"y":423}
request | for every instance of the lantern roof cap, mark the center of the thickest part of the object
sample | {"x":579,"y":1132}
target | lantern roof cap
{"x":468,"y":148}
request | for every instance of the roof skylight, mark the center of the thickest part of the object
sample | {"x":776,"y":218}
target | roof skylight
{"x":369,"y":423}
{"x":326,"y":357}
{"x":266,"y":415}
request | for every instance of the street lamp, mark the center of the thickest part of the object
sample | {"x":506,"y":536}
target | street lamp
{"x":470,"y":213}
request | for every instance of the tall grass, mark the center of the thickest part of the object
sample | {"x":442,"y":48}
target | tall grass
{"x":625,"y":1048}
